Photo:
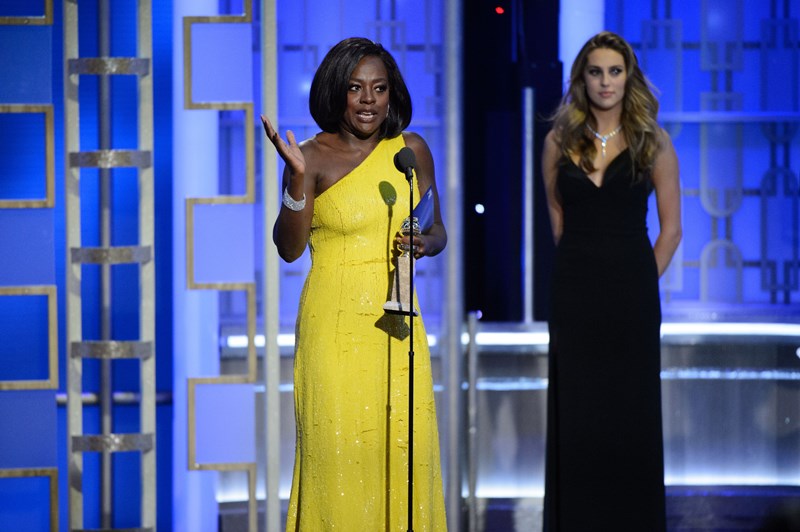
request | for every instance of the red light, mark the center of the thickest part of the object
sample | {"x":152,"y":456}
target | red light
{"x":499,"y":10}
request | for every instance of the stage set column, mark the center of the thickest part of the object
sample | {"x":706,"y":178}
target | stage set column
{"x":578,"y":20}
{"x":216,"y":226}
{"x":195,"y":161}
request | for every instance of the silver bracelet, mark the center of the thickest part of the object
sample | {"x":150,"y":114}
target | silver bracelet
{"x":291,"y":203}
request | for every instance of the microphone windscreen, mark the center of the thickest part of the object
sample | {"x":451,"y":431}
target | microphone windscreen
{"x":405,"y":159}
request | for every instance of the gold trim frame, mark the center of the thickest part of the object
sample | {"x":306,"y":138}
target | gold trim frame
{"x":51,"y":383}
{"x":52,"y":474}
{"x":248,"y":287}
{"x":44,"y":20}
{"x":50,"y":156}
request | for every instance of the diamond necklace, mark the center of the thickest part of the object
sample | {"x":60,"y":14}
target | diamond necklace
{"x":604,"y":138}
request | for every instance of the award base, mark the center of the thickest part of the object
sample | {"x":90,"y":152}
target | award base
{"x":395,"y":307}
{"x":400,"y":301}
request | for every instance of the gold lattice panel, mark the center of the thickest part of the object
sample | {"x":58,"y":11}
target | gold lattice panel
{"x":249,"y":288}
{"x":48,"y":291}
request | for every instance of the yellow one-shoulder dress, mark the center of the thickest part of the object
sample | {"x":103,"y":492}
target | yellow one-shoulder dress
{"x":351,"y":369}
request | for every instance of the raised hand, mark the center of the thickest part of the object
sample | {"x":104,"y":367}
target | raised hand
{"x":289,"y":151}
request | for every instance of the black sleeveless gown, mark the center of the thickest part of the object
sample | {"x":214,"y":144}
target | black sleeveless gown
{"x":605,"y":459}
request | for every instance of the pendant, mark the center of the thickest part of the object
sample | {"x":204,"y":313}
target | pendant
{"x":604,"y":138}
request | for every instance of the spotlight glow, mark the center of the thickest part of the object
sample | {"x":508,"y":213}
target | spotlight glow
{"x":239,"y":341}
{"x":508,"y":338}
{"x":731,"y":329}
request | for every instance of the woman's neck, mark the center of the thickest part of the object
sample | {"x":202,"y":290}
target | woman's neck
{"x":606,"y":120}
{"x":346,"y":140}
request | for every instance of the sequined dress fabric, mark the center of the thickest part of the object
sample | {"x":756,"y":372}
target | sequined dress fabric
{"x":351,"y":369}
{"x":605,"y":461}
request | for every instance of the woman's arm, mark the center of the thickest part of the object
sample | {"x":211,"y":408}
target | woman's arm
{"x":666,"y":180}
{"x":551,"y":153}
{"x":292,"y":227}
{"x":434,"y":240}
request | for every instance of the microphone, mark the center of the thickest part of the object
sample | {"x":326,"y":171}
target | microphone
{"x":405,"y":160}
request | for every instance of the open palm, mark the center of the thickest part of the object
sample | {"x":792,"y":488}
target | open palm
{"x":289,"y":151}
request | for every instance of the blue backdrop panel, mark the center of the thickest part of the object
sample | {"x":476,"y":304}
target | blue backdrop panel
{"x":224,"y":244}
{"x":16,"y":8}
{"x":24,"y":503}
{"x":22,"y":156}
{"x":225,"y":431}
{"x":24,"y":333}
{"x":222,"y":67}
{"x":25,"y":51}
{"x":28,"y":428}
{"x":27,"y":241}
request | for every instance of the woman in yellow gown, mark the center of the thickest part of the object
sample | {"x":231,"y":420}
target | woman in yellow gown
{"x":344,"y":198}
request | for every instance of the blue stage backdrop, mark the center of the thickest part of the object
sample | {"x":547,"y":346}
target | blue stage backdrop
{"x":29,"y":438}
{"x":33,"y":472}
{"x":728,"y":73}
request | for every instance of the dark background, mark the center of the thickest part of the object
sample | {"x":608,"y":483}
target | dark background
{"x":505,"y":53}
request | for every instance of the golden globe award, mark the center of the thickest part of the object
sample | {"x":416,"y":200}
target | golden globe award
{"x":400,"y":301}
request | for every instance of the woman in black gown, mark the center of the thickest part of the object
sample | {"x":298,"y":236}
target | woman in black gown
{"x":603,"y":157}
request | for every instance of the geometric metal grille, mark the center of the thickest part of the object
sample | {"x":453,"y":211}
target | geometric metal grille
{"x":730,"y":96}
{"x":8,"y":475}
{"x":249,"y":288}
{"x":141,"y":255}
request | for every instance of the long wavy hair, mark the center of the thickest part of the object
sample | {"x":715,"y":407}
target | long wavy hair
{"x":639,"y":110}
{"x":328,"y":98}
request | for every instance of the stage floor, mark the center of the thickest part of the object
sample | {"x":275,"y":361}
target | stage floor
{"x":731,"y":412}
{"x":689,"y":509}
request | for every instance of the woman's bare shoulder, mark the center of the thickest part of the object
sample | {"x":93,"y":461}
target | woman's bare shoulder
{"x":664,"y":138}
{"x":316,"y":150}
{"x":414,"y":141}
{"x":552,"y":143}
{"x":311,"y":145}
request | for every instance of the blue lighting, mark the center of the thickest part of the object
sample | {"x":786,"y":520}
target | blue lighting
{"x":541,"y":338}
{"x":714,"y":374}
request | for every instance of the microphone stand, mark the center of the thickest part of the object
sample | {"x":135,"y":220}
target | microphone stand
{"x":405,"y":161}
{"x":410,"y":178}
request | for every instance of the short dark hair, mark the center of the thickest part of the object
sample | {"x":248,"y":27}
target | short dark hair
{"x":328,"y":98}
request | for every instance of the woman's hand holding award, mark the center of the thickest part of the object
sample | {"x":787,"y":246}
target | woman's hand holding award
{"x":421,"y":219}
{"x":400,"y":301}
